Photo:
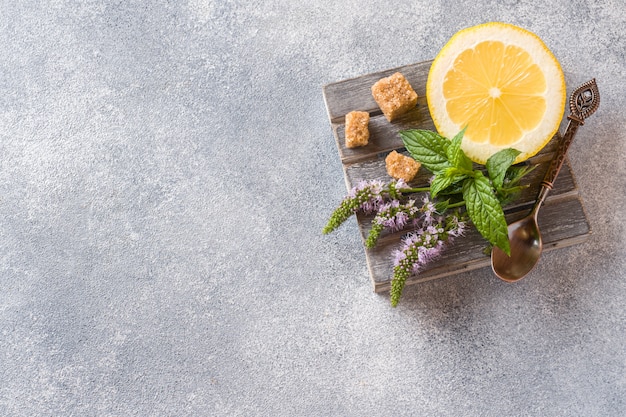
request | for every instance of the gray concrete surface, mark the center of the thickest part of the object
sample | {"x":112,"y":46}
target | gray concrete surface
{"x":166,"y":169}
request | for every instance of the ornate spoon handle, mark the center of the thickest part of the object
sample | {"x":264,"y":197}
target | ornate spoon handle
{"x":583,"y":103}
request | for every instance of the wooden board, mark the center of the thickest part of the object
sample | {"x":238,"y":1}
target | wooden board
{"x":562,"y":220}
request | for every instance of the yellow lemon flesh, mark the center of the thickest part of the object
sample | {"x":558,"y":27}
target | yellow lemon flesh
{"x":503,"y":84}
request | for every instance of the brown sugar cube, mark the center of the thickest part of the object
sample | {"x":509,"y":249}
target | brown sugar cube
{"x":394,"y":95}
{"x":401,"y":167}
{"x":357,"y":131}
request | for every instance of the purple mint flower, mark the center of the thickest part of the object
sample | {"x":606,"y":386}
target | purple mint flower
{"x":427,"y":243}
{"x":361,"y":185}
{"x":401,"y":220}
{"x":401,"y":185}
{"x":421,"y":247}
{"x":386,"y":214}
{"x":410,"y":244}
{"x":369,"y":195}
{"x":397,"y":256}
{"x":432,"y":230}
{"x":394,"y":215}
{"x":426,"y":254}
{"x":457,"y":227}
{"x":366,"y":196}
{"x":429,"y":209}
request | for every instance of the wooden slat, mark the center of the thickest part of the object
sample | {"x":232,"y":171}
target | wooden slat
{"x":356,"y":94}
{"x":374,"y":168}
{"x":467,"y":252}
{"x":384,"y":136}
{"x":562,"y":219}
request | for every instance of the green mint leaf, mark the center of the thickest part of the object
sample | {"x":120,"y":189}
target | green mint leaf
{"x":440,"y":182}
{"x":508,"y":195}
{"x":456,"y":188}
{"x":485,"y":211}
{"x":455,"y":154}
{"x":515,"y":173}
{"x":498,"y":164}
{"x":511,"y":188}
{"x":427,"y":147}
{"x":444,"y":179}
{"x":442,"y":206}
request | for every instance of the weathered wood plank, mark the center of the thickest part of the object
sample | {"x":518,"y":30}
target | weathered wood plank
{"x":384,"y":136}
{"x":467,"y":252}
{"x":356,"y":93}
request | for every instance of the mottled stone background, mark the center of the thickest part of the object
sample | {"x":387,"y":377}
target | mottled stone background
{"x":165,"y":172}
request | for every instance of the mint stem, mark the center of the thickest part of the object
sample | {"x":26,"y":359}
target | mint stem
{"x":457,"y":204}
{"x":415,"y":190}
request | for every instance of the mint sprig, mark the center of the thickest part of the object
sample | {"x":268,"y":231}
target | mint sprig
{"x":485,"y":211}
{"x":455,"y":173}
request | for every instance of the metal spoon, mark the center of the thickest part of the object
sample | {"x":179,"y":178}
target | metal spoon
{"x":524,"y":235}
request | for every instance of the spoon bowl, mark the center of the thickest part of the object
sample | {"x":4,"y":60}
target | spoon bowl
{"x":526,"y":246}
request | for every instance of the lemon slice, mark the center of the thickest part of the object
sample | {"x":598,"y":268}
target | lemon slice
{"x":503,"y":83}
